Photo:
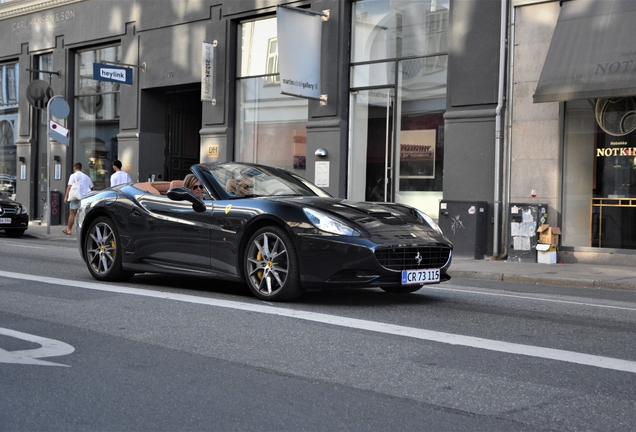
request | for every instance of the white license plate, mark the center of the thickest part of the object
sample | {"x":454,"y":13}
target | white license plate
{"x":5,"y":220}
{"x":419,"y":277}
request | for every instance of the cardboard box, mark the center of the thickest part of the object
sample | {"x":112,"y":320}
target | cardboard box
{"x":548,"y":234}
{"x":546,"y":253}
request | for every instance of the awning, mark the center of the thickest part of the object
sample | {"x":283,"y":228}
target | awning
{"x":592,"y":53}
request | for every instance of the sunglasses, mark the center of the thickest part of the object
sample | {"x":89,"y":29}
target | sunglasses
{"x":246,"y":187}
{"x":195,"y":187}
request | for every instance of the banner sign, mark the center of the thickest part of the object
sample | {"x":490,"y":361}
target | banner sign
{"x":116,"y":74}
{"x":207,"y":72}
{"x":58,"y":132}
{"x":299,"y":37}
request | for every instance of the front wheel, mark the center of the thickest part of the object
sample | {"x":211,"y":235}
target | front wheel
{"x":102,"y":251}
{"x":271,"y":265}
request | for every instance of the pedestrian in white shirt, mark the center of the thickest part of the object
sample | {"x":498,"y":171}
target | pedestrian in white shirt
{"x":119,"y":176}
{"x":83,"y":185}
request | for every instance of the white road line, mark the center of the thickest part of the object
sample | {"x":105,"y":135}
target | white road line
{"x":522,"y":297}
{"x":378,"y":327}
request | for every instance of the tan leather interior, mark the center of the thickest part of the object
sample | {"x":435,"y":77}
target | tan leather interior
{"x":156,"y":187}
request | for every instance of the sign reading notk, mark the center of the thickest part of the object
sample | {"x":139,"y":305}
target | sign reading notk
{"x":116,"y":74}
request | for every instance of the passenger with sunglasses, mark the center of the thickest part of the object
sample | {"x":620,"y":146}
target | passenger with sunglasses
{"x":241,"y":186}
{"x":192,"y":182}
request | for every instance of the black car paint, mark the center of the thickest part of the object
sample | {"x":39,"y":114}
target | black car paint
{"x":163,"y":235}
{"x":11,"y":209}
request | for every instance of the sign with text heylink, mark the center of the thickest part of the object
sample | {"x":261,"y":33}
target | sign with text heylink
{"x":299,"y":36}
{"x":116,"y":74}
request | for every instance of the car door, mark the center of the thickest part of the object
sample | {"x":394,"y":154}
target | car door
{"x":171,"y":234}
{"x":229,"y":218}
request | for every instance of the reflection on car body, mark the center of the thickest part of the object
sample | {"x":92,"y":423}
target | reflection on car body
{"x":284,"y":237}
{"x":7,"y":184}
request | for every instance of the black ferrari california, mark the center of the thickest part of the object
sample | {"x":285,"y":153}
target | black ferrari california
{"x":14,"y":217}
{"x":266,"y":226}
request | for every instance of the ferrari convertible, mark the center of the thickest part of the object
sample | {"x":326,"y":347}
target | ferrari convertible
{"x":266,"y":226}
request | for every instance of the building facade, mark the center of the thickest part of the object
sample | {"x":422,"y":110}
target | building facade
{"x":426,"y":100}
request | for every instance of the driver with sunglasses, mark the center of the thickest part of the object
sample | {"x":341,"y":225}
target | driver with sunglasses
{"x":192,"y":182}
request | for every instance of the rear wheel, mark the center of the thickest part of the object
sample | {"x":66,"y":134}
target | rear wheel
{"x":271,"y":265}
{"x":102,"y":251}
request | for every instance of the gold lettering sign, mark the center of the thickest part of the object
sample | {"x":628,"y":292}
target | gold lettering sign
{"x":213,"y":151}
{"x":616,"y":151}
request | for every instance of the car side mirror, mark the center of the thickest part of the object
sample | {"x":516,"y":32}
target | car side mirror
{"x":185,"y":194}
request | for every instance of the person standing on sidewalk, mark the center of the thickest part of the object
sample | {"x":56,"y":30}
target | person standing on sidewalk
{"x":85,"y":185}
{"x":119,"y":176}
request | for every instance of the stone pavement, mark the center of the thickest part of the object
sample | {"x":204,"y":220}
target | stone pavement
{"x":571,"y":275}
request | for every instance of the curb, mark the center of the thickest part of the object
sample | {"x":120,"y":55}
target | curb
{"x":552,"y":281}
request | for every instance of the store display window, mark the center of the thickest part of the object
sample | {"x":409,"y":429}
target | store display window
{"x":97,"y":105}
{"x":271,"y":127}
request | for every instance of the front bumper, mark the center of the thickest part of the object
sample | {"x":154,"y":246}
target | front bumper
{"x":334,"y":264}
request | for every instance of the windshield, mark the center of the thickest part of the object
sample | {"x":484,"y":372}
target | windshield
{"x":241,"y":180}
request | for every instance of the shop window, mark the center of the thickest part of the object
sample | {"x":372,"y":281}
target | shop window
{"x":97,"y":105}
{"x":599,"y":181}
{"x":271,"y":127}
{"x":397,"y":29}
{"x":8,"y":86}
{"x":8,"y":121}
{"x":398,"y":99}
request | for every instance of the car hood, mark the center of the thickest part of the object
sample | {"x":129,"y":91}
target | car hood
{"x":5,"y":200}
{"x":397,"y":222}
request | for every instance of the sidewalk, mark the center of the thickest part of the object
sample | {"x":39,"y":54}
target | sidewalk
{"x":571,"y":275}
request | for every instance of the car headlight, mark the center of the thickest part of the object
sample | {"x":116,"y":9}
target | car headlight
{"x":329,"y":224}
{"x":79,"y":216}
{"x":429,"y":221}
{"x":22,"y":209}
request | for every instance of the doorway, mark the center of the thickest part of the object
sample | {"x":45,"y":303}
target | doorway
{"x":396,"y":145}
{"x":183,"y":123}
{"x":372,"y":114}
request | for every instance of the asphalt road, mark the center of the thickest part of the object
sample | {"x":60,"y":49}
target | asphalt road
{"x":174,"y":353}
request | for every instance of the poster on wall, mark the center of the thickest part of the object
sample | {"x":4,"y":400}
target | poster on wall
{"x":417,"y":154}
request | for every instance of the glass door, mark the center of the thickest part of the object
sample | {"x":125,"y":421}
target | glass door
{"x":396,"y":136}
{"x":371,"y":160}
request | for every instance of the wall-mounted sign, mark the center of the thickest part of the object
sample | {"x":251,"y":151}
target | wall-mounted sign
{"x":59,"y":133}
{"x":110,"y":73}
{"x":299,"y":37}
{"x":207,"y":71}
{"x":321,"y":178}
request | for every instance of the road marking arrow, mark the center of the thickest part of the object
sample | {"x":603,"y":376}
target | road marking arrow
{"x":50,"y":348}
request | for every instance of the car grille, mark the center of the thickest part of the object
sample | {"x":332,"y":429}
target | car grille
{"x":404,"y":258}
{"x":7,"y":211}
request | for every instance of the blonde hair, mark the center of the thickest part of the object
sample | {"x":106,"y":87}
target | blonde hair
{"x":190,"y":180}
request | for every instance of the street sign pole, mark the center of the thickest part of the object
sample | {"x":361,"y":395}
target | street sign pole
{"x":48,"y":163}
{"x":62,"y":112}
